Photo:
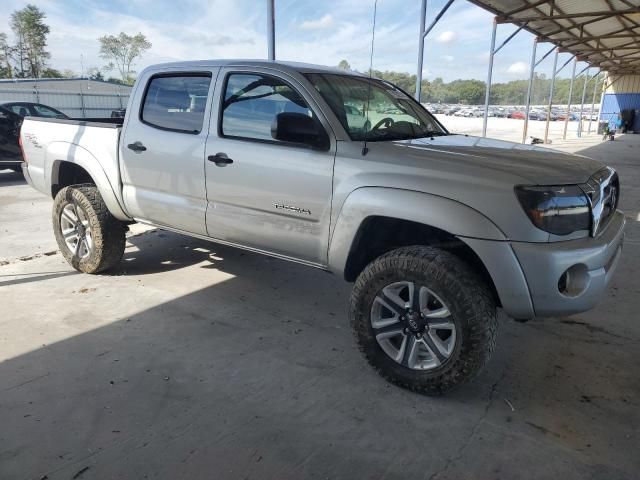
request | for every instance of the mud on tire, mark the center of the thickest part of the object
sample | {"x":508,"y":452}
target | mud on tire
{"x":107,"y":234}
{"x":472,"y":313}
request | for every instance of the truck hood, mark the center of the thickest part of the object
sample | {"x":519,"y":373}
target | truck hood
{"x":535,"y":165}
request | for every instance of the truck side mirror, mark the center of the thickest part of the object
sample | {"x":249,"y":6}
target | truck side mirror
{"x":299,"y":128}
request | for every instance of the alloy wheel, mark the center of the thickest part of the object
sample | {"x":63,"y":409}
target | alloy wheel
{"x":413,"y":326}
{"x":76,"y":230}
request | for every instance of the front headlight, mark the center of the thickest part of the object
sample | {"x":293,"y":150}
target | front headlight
{"x":560,"y":210}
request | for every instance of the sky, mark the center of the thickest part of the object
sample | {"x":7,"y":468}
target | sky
{"x":322,"y":32}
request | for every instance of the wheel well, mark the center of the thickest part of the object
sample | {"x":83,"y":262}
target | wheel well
{"x":67,"y":173}
{"x":378,"y":235}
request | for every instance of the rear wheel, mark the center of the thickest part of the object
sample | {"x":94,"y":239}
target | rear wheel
{"x":423,"y":319}
{"x":89,"y":237}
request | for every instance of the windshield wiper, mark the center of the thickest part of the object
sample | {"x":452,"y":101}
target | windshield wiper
{"x":433,"y":133}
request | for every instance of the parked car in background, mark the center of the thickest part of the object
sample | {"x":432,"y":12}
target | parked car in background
{"x":29,"y":109}
{"x":516,"y":114}
{"x":465,"y":112}
{"x":11,"y":116}
{"x":572,"y":116}
{"x":537,"y":115}
{"x":10,"y":155}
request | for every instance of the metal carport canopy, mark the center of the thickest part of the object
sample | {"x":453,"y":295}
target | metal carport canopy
{"x":603,"y":33}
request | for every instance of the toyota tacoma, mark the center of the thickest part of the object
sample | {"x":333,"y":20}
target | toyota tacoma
{"x":348,"y":174}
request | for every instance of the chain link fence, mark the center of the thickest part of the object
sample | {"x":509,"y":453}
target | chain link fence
{"x":75,"y":105}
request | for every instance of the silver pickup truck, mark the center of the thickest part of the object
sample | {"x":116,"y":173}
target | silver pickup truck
{"x":348,"y":174}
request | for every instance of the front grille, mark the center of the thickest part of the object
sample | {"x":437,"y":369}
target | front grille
{"x":603,"y":190}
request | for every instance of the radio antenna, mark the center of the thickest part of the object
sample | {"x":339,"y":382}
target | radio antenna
{"x":373,"y":37}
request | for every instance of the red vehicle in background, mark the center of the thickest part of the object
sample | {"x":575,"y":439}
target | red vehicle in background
{"x":517,"y":114}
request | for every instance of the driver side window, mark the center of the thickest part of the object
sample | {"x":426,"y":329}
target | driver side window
{"x":252,"y":102}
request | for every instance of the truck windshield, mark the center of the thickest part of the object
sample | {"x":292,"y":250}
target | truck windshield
{"x":374,"y":110}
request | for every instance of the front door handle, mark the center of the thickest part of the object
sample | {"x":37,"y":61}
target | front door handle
{"x":137,"y":147}
{"x":220,"y":159}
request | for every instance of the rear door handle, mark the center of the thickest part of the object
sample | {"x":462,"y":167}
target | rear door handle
{"x":220,"y":159}
{"x":137,"y":147}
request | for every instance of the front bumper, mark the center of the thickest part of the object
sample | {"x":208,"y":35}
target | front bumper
{"x":594,"y":260}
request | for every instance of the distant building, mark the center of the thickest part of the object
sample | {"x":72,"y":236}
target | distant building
{"x":77,"y":97}
{"x":72,"y":85}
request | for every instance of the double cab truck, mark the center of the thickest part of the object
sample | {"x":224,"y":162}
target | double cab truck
{"x":348,"y":174}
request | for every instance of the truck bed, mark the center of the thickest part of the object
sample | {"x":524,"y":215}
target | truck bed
{"x":90,"y":143}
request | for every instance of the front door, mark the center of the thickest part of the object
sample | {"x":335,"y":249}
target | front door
{"x":162,"y":150}
{"x":262,"y":193}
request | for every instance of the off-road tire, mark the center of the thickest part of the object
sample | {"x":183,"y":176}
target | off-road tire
{"x":470,"y":303}
{"x":108,"y":233}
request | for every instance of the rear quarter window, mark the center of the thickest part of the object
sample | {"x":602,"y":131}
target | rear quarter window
{"x":176,"y":102}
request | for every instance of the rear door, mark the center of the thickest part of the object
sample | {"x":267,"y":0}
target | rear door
{"x":271,"y":196}
{"x":162,"y":149}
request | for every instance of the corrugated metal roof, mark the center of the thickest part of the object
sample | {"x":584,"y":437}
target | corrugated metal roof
{"x":603,"y":33}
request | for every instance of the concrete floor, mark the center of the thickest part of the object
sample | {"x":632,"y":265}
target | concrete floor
{"x":195,"y":361}
{"x":511,"y":128}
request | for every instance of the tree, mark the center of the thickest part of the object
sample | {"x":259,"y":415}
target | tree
{"x":123,"y":50}
{"x":31,"y":35}
{"x":344,"y":65}
{"x":95,"y":74}
{"x":52,"y":73}
{"x":5,"y":57}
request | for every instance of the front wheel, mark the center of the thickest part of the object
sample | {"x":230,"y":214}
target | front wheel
{"x":89,"y":237}
{"x":423,"y":319}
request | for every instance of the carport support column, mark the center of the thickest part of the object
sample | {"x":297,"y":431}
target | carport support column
{"x":593,"y":99}
{"x":573,"y":77}
{"x":532,"y":68}
{"x":489,"y":75}
{"x":553,"y":81}
{"x":584,"y":94}
{"x":423,"y":34}
{"x":271,"y":29}
{"x":603,"y":89}
{"x":423,"y":19}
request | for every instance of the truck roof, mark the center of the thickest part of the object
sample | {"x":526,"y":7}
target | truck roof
{"x":278,"y":65}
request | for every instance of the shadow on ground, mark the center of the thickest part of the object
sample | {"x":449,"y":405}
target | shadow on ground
{"x":9,"y":178}
{"x":253,"y":373}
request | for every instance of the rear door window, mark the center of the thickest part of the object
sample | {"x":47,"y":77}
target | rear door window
{"x":176,"y":102}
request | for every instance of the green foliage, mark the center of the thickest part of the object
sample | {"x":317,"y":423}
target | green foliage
{"x":30,"y":32}
{"x":472,"y":92}
{"x":52,"y":73}
{"x":94,"y":73}
{"x":403,"y":80}
{"x":344,"y":65}
{"x":6,"y":52}
{"x":123,"y":50}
